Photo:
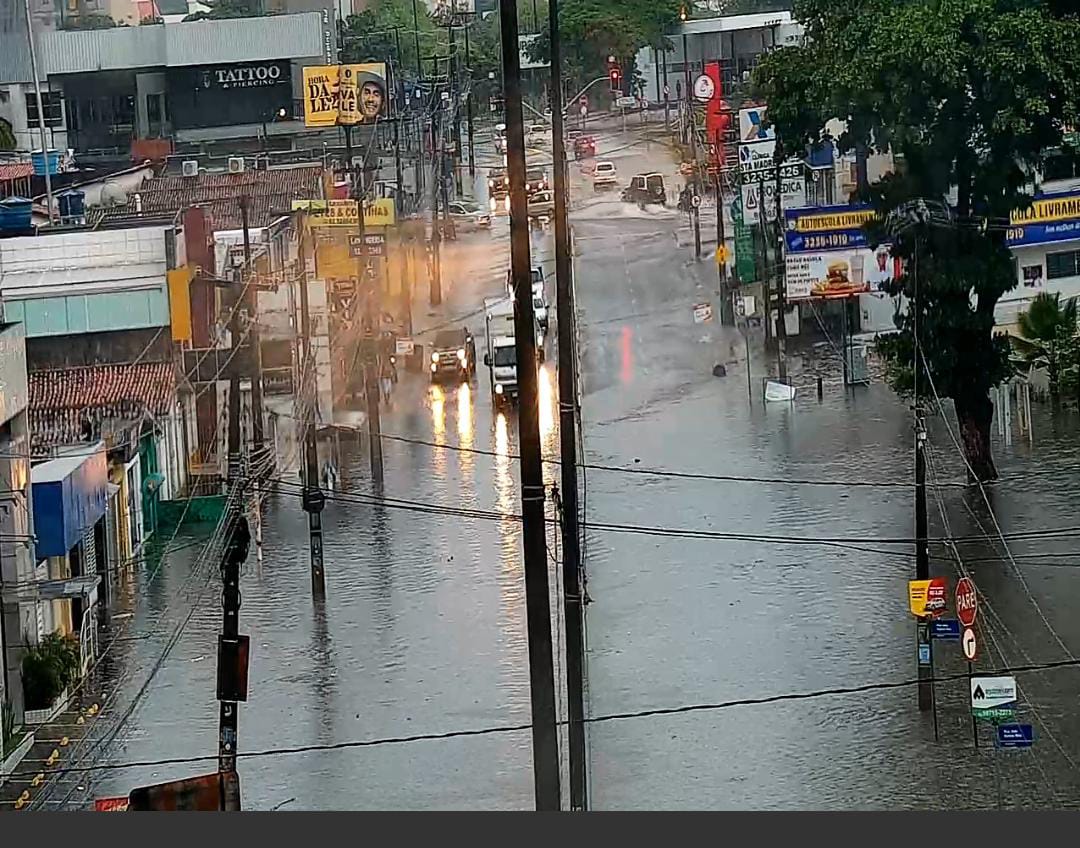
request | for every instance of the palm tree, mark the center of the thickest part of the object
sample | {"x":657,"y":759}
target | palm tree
{"x":1047,"y":329}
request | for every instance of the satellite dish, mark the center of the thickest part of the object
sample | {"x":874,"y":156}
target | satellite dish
{"x":113,"y":195}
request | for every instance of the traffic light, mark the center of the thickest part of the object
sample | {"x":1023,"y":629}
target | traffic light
{"x":615,"y":77}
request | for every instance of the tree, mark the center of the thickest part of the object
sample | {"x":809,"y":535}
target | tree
{"x":592,"y":30}
{"x":1046,"y":329}
{"x":370,"y":34}
{"x":970,"y":96}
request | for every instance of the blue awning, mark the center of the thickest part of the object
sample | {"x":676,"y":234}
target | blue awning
{"x":70,"y":496}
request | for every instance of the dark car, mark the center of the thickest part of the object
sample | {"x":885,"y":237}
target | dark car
{"x":453,"y":354}
{"x":646,"y":188}
{"x":535,"y":180}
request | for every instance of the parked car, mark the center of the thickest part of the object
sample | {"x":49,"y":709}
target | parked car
{"x":468,"y":216}
{"x":541,"y":204}
{"x":604,"y":176}
{"x":646,"y":188}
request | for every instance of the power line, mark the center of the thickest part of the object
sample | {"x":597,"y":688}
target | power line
{"x":654,"y":712}
{"x":366,"y":499}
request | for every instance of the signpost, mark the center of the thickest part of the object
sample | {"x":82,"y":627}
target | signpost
{"x":967,"y":601}
{"x":970,"y":646}
{"x":948,"y":628}
{"x":926,"y":598}
{"x":993,"y":698}
{"x":1015,"y":735}
{"x":376,"y":245}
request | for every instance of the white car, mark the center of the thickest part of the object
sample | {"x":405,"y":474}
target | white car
{"x":468,"y":216}
{"x":604,"y":176}
{"x":539,"y":134}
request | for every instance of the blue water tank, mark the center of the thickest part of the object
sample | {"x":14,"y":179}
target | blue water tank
{"x":15,"y":213}
{"x":72,"y":206}
{"x":39,"y":159}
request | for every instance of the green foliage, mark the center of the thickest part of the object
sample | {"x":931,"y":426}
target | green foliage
{"x":93,"y":21}
{"x":592,"y":30}
{"x":369,"y":35}
{"x":1049,"y":337}
{"x":224,"y":9}
{"x":970,"y":96}
{"x":48,"y":669}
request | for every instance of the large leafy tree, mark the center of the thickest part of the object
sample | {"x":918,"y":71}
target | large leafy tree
{"x":970,"y":96}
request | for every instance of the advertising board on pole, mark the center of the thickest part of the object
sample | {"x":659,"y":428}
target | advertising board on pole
{"x":345,"y":94}
{"x":927,"y":597}
{"x":828,"y":255}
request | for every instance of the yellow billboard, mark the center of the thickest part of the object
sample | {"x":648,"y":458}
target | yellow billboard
{"x":344,"y":94}
{"x":342,"y":213}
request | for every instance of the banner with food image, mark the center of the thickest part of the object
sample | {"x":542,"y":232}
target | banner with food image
{"x":827,"y":253}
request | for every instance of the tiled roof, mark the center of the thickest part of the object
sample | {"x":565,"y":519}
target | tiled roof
{"x":270,"y":193}
{"x":64,"y":400}
{"x":15,"y":171}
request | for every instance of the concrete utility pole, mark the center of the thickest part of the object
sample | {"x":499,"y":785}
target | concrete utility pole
{"x":254,"y":369}
{"x":371,"y":286}
{"x":781,"y":285}
{"x":435,"y":277}
{"x":232,"y":647}
{"x":469,"y":107}
{"x":538,"y":610}
{"x":573,"y":593}
{"x":313,"y":499}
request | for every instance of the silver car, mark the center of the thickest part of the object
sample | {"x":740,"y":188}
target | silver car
{"x":469,"y":216}
{"x":541,"y":204}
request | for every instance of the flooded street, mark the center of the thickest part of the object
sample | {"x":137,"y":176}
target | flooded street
{"x":424,"y":627}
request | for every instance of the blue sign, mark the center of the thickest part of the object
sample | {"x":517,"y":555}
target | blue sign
{"x":821,"y":228}
{"x":1049,"y":218}
{"x":947,"y":628}
{"x":924,"y":655}
{"x":1015,"y":735}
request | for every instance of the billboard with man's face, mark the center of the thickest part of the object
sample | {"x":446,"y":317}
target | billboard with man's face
{"x":344,"y":94}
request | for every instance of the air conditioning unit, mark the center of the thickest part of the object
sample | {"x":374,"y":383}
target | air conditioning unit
{"x":236,"y":164}
{"x":191,"y":167}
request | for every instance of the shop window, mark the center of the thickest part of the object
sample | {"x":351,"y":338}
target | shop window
{"x":1065,"y":264}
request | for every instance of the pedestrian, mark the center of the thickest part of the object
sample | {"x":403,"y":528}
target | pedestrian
{"x":386,"y":381}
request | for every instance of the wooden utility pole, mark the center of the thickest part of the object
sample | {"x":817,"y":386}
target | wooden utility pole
{"x":573,"y":590}
{"x":538,"y":610}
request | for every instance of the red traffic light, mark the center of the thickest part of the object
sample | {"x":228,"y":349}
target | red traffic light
{"x":613,"y":77}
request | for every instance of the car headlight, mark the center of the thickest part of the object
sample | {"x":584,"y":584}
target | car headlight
{"x":434,"y":366}
{"x":434,"y":357}
{"x":498,"y":388}
{"x":461,"y":354}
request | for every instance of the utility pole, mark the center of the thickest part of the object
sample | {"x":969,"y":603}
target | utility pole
{"x":573,"y":600}
{"x":313,"y":499}
{"x":416,"y":41}
{"x":435,"y":278}
{"x":370,"y":287}
{"x":667,"y":108}
{"x":254,"y":368}
{"x":922,"y":561}
{"x":538,"y":611}
{"x":40,"y":111}
{"x":727,"y":308}
{"x":469,"y":108}
{"x":781,"y":287}
{"x":232,"y":647}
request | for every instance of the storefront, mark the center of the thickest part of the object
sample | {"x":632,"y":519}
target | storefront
{"x":227,"y":95}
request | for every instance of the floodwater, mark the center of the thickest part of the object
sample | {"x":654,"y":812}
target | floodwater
{"x":424,"y":627}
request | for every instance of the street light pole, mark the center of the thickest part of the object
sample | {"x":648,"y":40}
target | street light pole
{"x":40,"y":111}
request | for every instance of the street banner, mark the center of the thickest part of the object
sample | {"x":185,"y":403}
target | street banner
{"x":344,"y":94}
{"x":927,"y":597}
{"x":342,"y":213}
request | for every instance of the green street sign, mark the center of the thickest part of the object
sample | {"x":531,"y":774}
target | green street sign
{"x":745,"y":264}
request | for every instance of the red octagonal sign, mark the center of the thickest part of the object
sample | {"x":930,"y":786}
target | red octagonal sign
{"x":967,"y":601}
